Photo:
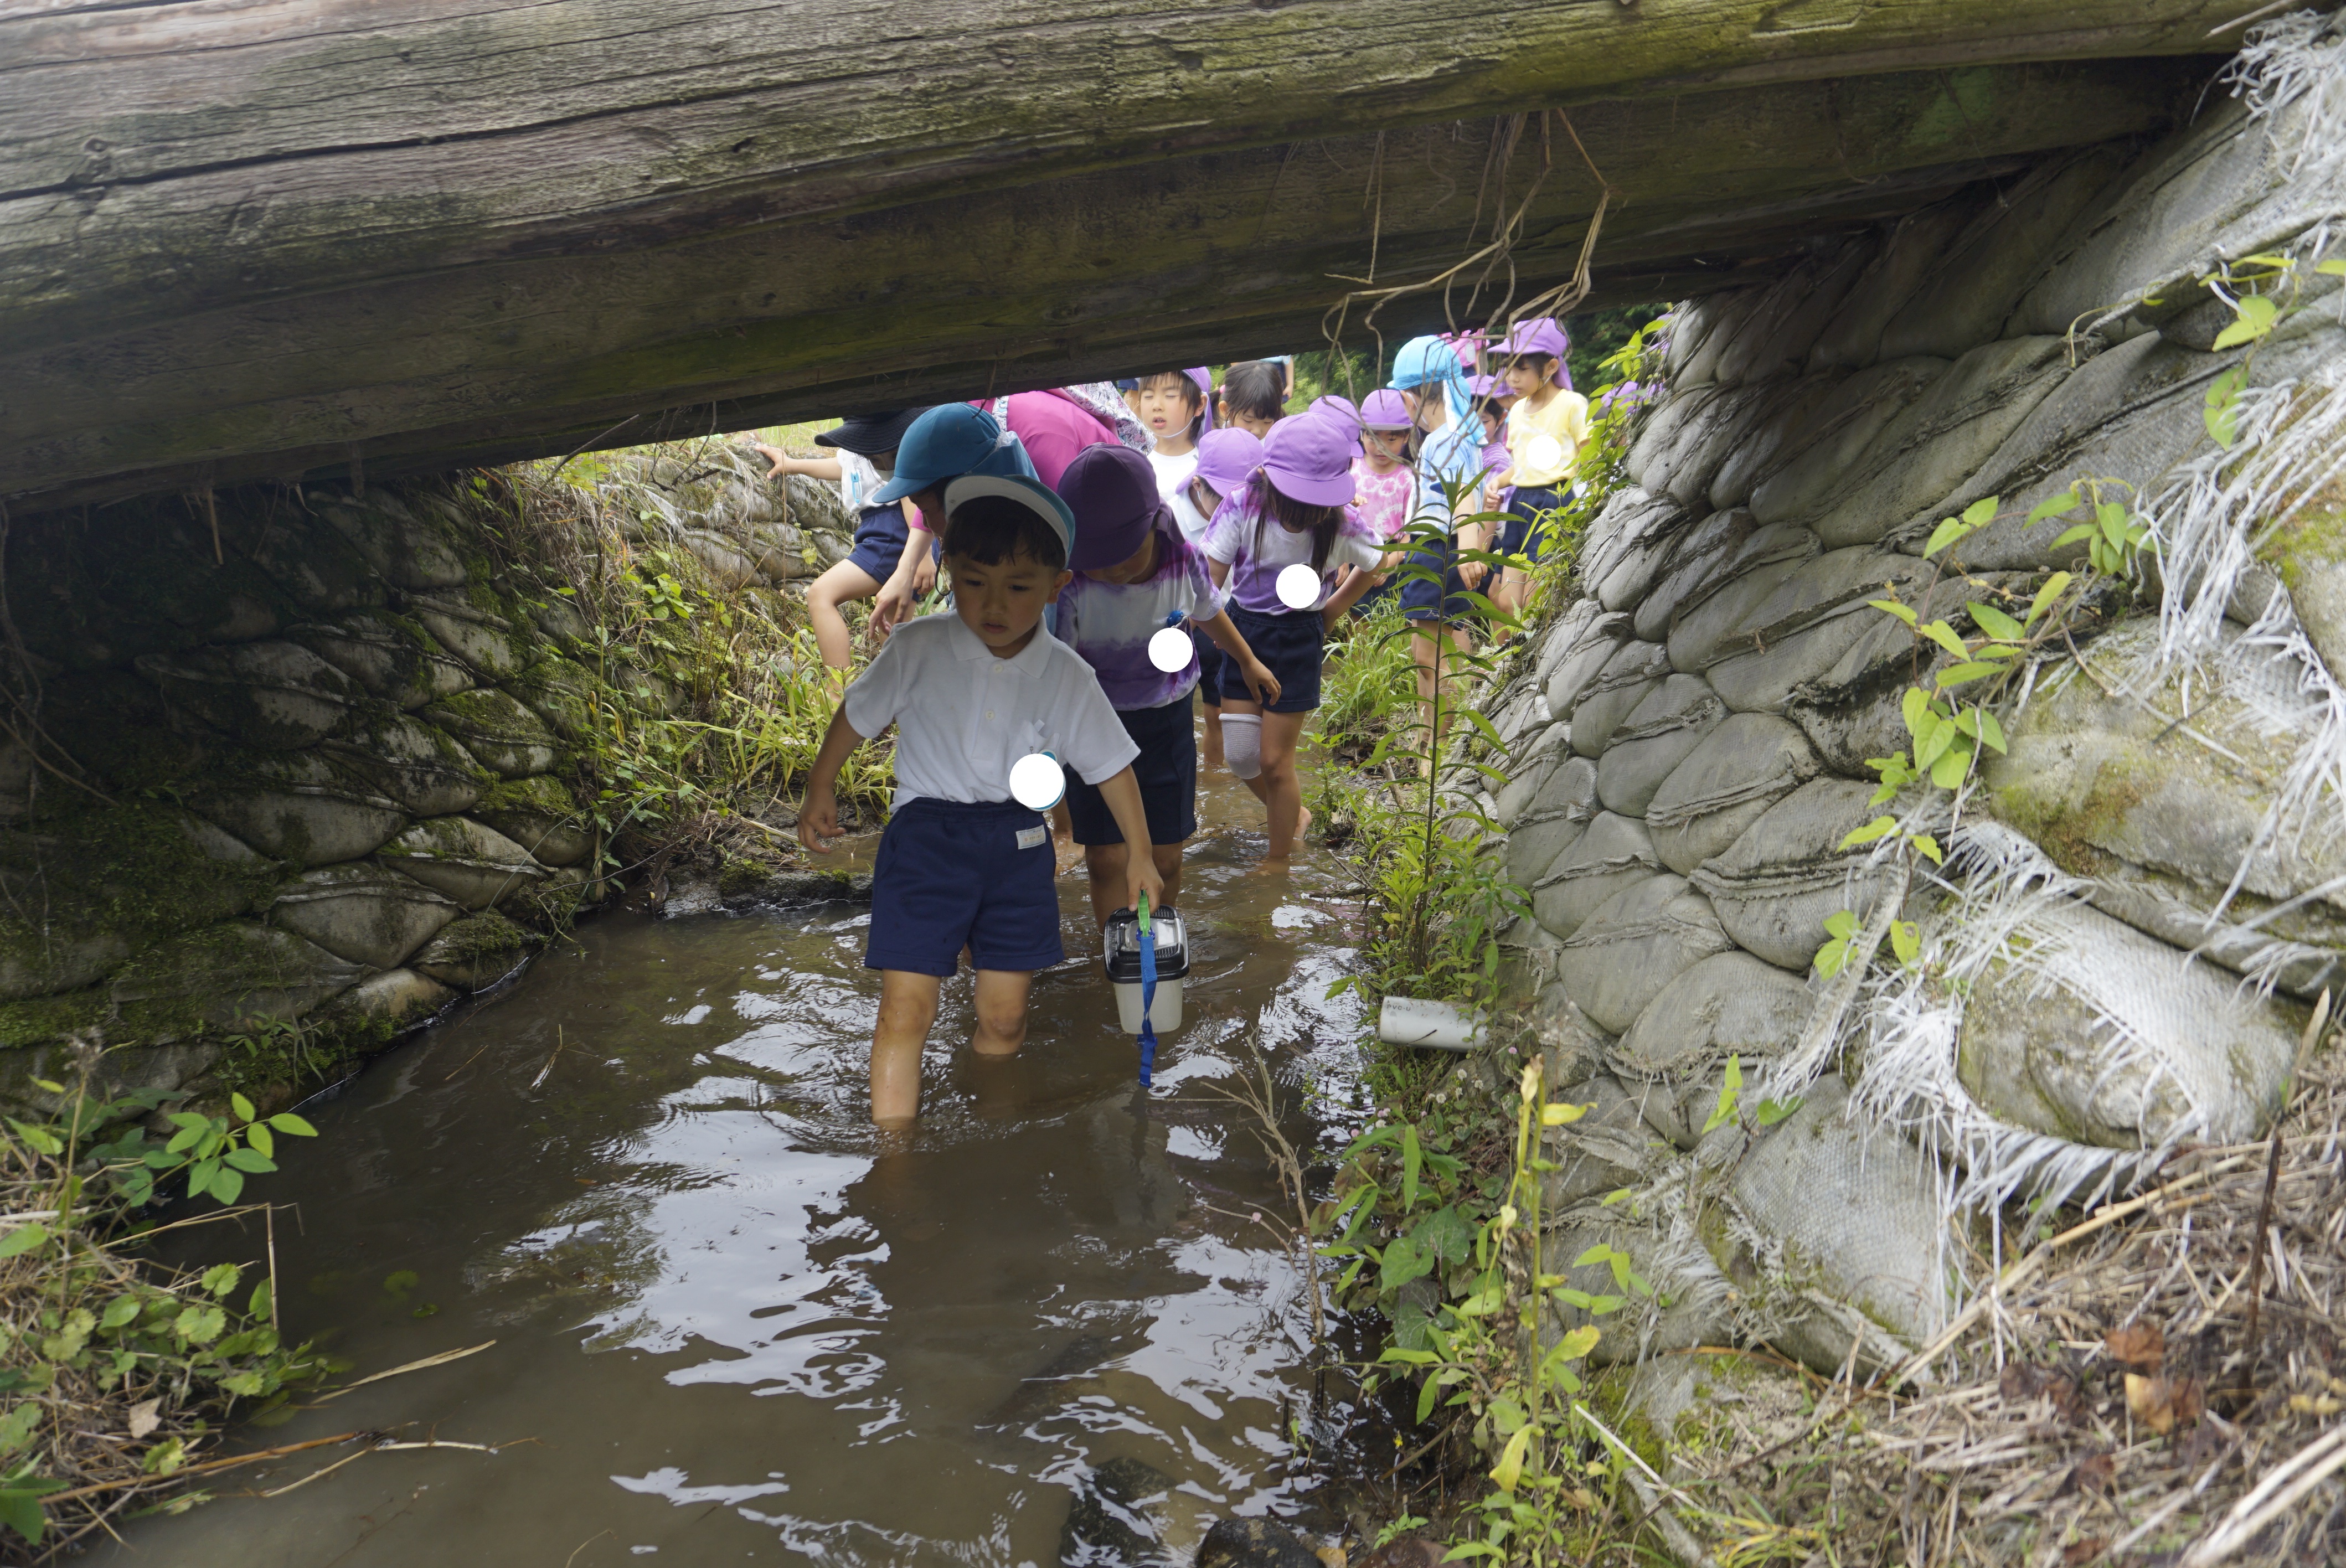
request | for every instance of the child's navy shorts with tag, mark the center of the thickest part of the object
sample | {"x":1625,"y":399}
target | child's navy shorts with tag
{"x":1291,"y":646}
{"x":951,"y":872}
{"x":1166,"y":770}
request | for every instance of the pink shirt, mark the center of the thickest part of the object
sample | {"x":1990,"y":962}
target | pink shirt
{"x":1382,"y":499}
{"x":1054,"y":428}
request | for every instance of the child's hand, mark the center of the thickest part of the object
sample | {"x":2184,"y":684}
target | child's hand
{"x":925,"y":577}
{"x":818,"y":819}
{"x":1259,"y":680}
{"x":782,"y":461}
{"x":1140,"y":877}
{"x":895,"y":601}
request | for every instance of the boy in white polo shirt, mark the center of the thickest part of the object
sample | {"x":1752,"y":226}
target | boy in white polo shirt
{"x":962,"y":862}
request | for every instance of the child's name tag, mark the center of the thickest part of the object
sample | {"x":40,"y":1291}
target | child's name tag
{"x":1032,"y":838}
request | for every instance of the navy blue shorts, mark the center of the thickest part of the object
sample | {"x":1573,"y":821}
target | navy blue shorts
{"x":1524,"y":508}
{"x":1210,"y":658}
{"x":879,"y":542}
{"x":1290,"y":646}
{"x":1422,"y":599}
{"x":953,"y":872}
{"x":1166,"y":770}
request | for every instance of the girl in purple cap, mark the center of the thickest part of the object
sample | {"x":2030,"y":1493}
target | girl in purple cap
{"x":1227,"y":459}
{"x":1295,"y":512}
{"x":1135,"y":576}
{"x":1544,"y":432}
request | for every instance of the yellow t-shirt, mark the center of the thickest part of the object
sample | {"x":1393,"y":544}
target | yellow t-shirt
{"x":1544,"y":443}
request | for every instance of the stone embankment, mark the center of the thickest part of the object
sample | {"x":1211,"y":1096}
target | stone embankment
{"x":286,"y":770}
{"x":2140,"y":898}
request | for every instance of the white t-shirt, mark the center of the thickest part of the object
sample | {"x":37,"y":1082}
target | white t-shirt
{"x":1172,"y":472}
{"x":963,"y":716}
{"x":1192,"y":522}
{"x":858,"y":481}
{"x":1256,"y":551}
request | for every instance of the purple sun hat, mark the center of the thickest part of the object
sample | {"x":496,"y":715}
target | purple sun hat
{"x":1340,"y":411}
{"x":1204,"y":378}
{"x":1542,"y":336}
{"x":1228,"y":458}
{"x":1308,"y":458}
{"x":1489,"y":386}
{"x":1385,"y":408}
{"x":1112,"y":491}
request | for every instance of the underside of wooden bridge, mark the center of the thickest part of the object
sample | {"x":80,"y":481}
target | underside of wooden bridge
{"x":259,"y":239}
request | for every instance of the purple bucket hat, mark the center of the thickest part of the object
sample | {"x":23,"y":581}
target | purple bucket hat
{"x":1227,"y":459}
{"x":1112,"y":491}
{"x":1385,"y":408}
{"x":1204,"y":378}
{"x":1340,"y":411}
{"x":1309,"y":459}
{"x":1542,"y":336}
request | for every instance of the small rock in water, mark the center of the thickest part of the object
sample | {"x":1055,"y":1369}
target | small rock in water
{"x":1254,"y":1543}
{"x":1106,"y":1522}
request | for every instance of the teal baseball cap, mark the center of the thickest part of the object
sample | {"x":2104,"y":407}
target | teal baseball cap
{"x":947,"y":442}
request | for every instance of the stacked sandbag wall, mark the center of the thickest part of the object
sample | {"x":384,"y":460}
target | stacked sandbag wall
{"x":287,"y":769}
{"x":2142,"y":895}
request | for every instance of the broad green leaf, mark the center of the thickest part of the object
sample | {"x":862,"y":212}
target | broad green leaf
{"x":1891,"y":606}
{"x":40,"y":1139}
{"x":286,"y":1121}
{"x":119,"y":1311}
{"x":1879,"y":827}
{"x":1928,"y":846}
{"x":2335,"y":267}
{"x":2053,"y":506}
{"x":1949,"y":530}
{"x":1769,"y":1112}
{"x":1945,"y":636}
{"x":23,"y":1239}
{"x":1563,"y":1115}
{"x":1929,"y":748}
{"x":1913,"y":705}
{"x":1509,"y":1471}
{"x":1905,"y":940}
{"x":250,"y":1161}
{"x":1991,"y":733}
{"x":241,"y":1107}
{"x":1577,"y":1344}
{"x":2047,"y":594}
{"x":228,"y":1185}
{"x":1426,"y":1396}
{"x":1832,"y":957}
{"x":1842,"y":923}
{"x":2222,"y":411}
{"x":2112,"y":519}
{"x":2256,"y":315}
{"x":2082,"y":530}
{"x":1982,"y":512}
{"x":20,"y":1511}
{"x":1948,"y":771}
{"x":1963,"y":674}
{"x":1413,"y":1160}
{"x":1996,"y":623}
{"x":262,"y":1138}
{"x":1404,"y":1260}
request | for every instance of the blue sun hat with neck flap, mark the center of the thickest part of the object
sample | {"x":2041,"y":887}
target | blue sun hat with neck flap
{"x":949,"y":441}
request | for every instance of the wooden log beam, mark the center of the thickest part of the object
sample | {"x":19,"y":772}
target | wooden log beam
{"x":1017,"y":286}
{"x":259,"y":229}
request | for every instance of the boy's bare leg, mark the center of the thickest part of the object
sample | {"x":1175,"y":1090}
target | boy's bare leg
{"x":1103,"y":863}
{"x":908,"y":1005}
{"x":1064,"y":851}
{"x":845,"y":583}
{"x":1211,"y":746}
{"x":1001,"y":1011}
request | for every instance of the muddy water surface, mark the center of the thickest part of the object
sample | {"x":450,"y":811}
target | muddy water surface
{"x":731,"y":1325}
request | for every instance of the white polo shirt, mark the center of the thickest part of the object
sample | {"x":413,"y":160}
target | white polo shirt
{"x":963,"y":716}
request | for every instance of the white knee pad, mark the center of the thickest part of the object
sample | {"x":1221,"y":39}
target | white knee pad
{"x":1242,"y":743}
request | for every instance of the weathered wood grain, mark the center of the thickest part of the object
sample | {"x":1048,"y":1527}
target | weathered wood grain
{"x":1007,"y":287}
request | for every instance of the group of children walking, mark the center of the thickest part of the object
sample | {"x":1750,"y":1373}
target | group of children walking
{"x":1073,"y":526}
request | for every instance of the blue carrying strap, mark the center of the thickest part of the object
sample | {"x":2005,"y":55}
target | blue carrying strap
{"x":1147,"y":995}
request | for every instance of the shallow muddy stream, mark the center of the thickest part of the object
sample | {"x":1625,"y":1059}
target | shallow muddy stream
{"x":729,"y":1325}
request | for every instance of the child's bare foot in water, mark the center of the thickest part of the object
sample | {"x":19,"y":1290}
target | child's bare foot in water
{"x":1302,"y":826}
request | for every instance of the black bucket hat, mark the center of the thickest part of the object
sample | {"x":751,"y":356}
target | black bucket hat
{"x":870,"y":434}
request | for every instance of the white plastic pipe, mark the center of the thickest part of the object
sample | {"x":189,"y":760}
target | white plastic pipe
{"x":1435,"y":1025}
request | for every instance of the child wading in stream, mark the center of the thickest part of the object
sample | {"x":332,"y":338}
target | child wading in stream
{"x":1295,"y":510}
{"x":866,"y":445}
{"x":1172,"y":404}
{"x":1437,"y":599}
{"x":1546,"y":429}
{"x":962,"y":862}
{"x":1226,"y":459}
{"x":1135,"y":578}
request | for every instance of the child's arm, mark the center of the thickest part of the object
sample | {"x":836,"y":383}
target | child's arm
{"x":819,"y":813}
{"x":1347,"y":594}
{"x":813,"y":467}
{"x":1122,"y":794}
{"x":1227,"y":636}
{"x":914,"y":575}
{"x":1219,"y":571}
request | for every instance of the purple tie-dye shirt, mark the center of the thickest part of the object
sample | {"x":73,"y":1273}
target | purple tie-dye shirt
{"x":1109,"y":624}
{"x":1257,"y":555}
